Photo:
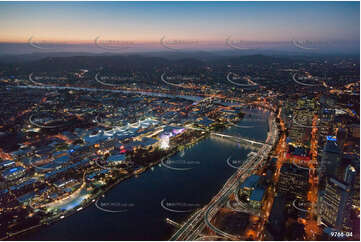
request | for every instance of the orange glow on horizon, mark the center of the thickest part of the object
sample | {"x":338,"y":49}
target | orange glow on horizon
{"x":169,"y":40}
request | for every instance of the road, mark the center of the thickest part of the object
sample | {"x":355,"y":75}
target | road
{"x":192,"y":228}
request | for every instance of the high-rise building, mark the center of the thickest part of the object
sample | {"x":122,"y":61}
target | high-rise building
{"x":293,"y":180}
{"x":256,"y":198}
{"x":341,"y":137}
{"x":350,"y":173}
{"x":330,"y":160}
{"x":336,"y":202}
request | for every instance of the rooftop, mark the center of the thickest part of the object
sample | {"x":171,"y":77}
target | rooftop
{"x":251,"y":182}
{"x":10,"y":171}
{"x":331,"y":147}
{"x":290,"y":168}
{"x":257,"y":194}
{"x":115,"y":158}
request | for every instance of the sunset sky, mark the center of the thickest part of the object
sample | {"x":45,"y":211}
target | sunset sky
{"x":148,"y":22}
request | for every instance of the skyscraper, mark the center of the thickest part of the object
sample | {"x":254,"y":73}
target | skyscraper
{"x":293,"y":181}
{"x":335,"y":205}
{"x":331,"y":157}
{"x":350,"y":173}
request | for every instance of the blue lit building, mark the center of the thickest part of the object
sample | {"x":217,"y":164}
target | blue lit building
{"x":116,"y":159}
{"x":249,"y":185}
{"x":13,"y":173}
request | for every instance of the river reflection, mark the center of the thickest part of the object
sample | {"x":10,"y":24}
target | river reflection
{"x":146,"y":201}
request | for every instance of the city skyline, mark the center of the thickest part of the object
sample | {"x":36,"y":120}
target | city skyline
{"x":180,"y":121}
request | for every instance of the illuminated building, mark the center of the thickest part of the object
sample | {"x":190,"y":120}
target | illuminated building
{"x":335,"y":204}
{"x":6,"y":163}
{"x":249,"y":185}
{"x":13,"y":173}
{"x":298,"y":152}
{"x":327,"y":115}
{"x":26,"y":198}
{"x":293,"y":180}
{"x":256,"y":198}
{"x":350,"y":173}
{"x":63,"y":183}
{"x":174,"y":130}
{"x":169,"y":132}
{"x":164,"y":142}
{"x":116,"y":159}
{"x":148,"y":142}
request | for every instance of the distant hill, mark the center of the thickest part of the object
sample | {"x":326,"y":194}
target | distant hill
{"x":149,"y":63}
{"x":117,"y":63}
{"x":133,"y":62}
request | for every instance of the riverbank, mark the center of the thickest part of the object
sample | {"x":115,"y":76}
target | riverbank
{"x":151,"y":187}
{"x":88,"y":202}
{"x":230,"y":185}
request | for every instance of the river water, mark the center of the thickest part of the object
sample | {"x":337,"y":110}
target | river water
{"x":138,"y":200}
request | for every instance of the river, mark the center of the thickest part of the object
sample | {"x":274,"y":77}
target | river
{"x":138,"y":200}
